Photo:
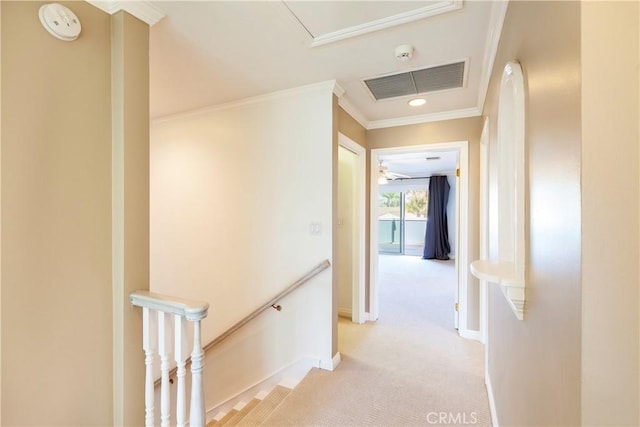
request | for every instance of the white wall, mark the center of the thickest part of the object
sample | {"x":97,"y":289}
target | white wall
{"x":234,"y":190}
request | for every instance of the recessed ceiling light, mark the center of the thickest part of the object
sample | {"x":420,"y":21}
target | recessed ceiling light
{"x":416,"y":102}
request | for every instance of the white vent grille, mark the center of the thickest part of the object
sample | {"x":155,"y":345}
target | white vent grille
{"x":432,"y":79}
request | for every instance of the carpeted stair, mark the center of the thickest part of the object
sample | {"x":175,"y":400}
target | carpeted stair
{"x":255,"y":412}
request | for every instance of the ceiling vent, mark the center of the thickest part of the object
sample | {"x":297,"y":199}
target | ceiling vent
{"x":431,"y":79}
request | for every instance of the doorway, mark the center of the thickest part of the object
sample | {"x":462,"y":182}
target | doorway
{"x":459,"y":219}
{"x":351,"y":229}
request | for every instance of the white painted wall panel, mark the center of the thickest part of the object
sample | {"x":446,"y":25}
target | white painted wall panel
{"x":233,"y":193}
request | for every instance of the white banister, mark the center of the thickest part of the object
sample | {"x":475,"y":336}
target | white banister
{"x":164,"y":350}
{"x":158,"y":332}
{"x":191,"y":310}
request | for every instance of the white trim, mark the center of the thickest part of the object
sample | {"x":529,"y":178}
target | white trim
{"x":492,"y":401}
{"x":462,"y":259}
{"x":359,"y":259}
{"x":388,"y":22}
{"x":338,"y":90}
{"x":470,"y":334}
{"x":143,"y":10}
{"x":463,"y":217}
{"x":484,"y":226}
{"x":458,"y":313}
{"x":374,"y":189}
{"x":498,"y":13}
{"x":330,"y":365}
{"x":328,"y":85}
{"x":353,"y":111}
{"x":425,"y":118}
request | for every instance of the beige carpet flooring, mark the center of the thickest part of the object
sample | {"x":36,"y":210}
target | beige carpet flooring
{"x":410,"y":368}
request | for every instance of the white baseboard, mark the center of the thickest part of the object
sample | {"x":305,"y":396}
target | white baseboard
{"x":330,"y":365}
{"x":288,"y":376}
{"x":470,"y":334}
{"x":492,"y":402}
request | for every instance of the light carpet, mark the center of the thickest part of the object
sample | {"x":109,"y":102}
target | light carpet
{"x":408,"y":368}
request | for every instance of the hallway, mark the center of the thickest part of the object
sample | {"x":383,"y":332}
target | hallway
{"x":408,"y":368}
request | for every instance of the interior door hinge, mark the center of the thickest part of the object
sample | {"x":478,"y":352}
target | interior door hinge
{"x":456,"y":307}
{"x":457,"y":172}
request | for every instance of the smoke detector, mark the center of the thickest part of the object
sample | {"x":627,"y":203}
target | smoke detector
{"x":59,"y":21}
{"x":404,"y":52}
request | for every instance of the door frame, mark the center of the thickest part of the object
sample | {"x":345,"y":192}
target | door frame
{"x":484,"y":233}
{"x":462,"y":224}
{"x":359,"y":227}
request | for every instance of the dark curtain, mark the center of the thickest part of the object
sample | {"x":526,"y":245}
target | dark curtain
{"x":436,"y":239}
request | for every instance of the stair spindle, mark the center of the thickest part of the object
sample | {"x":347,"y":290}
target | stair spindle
{"x":181,"y":354}
{"x":197,"y":413}
{"x":149,"y":346}
{"x":164,"y":350}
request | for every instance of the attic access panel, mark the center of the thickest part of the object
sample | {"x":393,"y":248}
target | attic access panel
{"x":432,"y":79}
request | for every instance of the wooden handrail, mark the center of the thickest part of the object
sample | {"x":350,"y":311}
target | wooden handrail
{"x":271,"y":304}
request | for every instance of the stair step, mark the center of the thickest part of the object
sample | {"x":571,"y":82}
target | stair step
{"x":227,"y":417}
{"x":263,"y":409}
{"x":242,"y":413}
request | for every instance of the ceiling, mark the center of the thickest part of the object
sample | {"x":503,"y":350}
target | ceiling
{"x":421,"y":164}
{"x":205,"y":53}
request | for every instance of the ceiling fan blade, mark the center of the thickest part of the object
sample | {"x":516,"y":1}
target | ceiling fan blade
{"x":394,"y":175}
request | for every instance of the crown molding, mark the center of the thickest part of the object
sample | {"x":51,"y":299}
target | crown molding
{"x":329,"y":86}
{"x":353,"y":112}
{"x":498,"y":13}
{"x":434,"y":9}
{"x":425,"y":118}
{"x":338,"y":90}
{"x":143,"y":10}
{"x":348,"y":106}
